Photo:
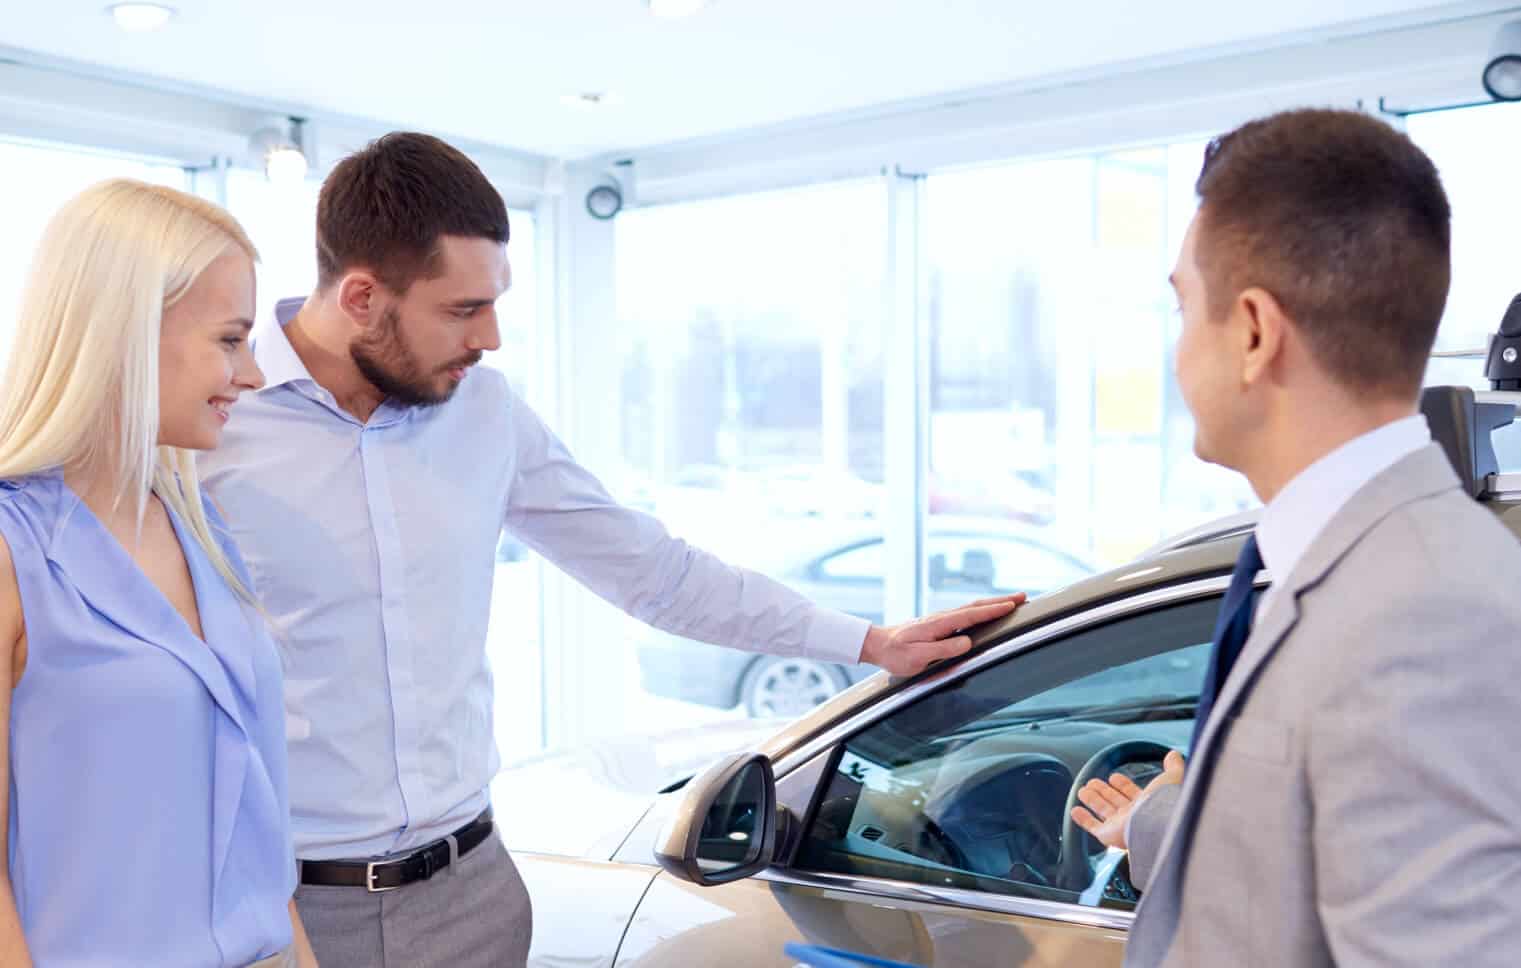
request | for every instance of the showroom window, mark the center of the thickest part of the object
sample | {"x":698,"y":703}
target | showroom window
{"x":750,"y":339}
{"x":40,"y":177}
{"x":281,"y":219}
{"x":514,"y":644}
{"x":1054,"y":415}
{"x":1475,"y":149}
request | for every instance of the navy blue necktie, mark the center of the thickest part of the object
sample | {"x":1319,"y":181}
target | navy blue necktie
{"x":1231,"y":630}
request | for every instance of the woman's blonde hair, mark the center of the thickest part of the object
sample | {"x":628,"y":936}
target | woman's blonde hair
{"x":81,"y":387}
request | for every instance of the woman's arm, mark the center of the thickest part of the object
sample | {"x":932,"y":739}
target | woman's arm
{"x":13,"y":951}
{"x":305,"y":957}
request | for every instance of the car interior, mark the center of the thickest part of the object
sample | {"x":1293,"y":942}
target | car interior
{"x":972,"y":786}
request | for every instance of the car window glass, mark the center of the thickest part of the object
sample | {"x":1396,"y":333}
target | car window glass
{"x":968,"y":787}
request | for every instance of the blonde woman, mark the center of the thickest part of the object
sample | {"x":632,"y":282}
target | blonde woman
{"x":140,"y":694}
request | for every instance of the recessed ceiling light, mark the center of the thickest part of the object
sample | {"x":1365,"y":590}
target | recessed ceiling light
{"x":599,"y":99}
{"x":139,"y":18}
{"x":675,"y":8}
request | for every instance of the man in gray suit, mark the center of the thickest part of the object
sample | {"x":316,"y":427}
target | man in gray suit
{"x":1351,"y":795}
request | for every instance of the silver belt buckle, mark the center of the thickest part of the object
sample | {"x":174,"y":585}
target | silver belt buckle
{"x":369,"y":879}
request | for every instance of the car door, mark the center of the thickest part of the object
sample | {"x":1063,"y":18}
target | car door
{"x":932,"y":829}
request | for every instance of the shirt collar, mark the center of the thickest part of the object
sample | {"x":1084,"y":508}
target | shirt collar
{"x":1300,"y":512}
{"x":282,"y":366}
{"x":272,"y":349}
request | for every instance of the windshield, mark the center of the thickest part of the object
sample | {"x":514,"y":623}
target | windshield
{"x":1170,"y":674}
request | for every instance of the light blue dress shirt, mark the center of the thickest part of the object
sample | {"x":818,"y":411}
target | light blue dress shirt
{"x":149,"y":820}
{"x":1300,"y":512}
{"x":372,"y":545}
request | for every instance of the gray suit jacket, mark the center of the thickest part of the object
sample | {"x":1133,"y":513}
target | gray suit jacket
{"x":1355,"y":798}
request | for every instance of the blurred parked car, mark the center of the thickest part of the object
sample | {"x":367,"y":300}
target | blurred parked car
{"x":967,"y":559}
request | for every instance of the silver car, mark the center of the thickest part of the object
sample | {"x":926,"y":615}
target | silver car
{"x":923,"y":820}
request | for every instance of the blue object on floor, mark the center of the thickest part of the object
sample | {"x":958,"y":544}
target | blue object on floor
{"x":816,"y":957}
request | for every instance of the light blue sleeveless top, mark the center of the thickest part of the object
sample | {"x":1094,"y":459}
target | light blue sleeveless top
{"x":149,"y":816}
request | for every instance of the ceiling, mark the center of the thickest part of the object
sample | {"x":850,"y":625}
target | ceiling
{"x":494,"y":71}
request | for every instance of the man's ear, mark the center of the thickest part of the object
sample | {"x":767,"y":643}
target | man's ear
{"x":358,"y":296}
{"x":1262,"y":328}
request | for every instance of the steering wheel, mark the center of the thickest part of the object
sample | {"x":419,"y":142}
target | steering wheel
{"x":1074,"y":869}
{"x":937,"y":839}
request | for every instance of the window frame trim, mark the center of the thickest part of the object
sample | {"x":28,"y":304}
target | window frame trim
{"x":961,"y":898}
{"x":841,"y":730}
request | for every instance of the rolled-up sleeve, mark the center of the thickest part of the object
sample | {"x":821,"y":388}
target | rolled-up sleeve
{"x":559,"y":509}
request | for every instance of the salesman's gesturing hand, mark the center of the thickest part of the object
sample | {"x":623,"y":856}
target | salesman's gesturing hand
{"x":905,"y":650}
{"x":1107,"y":806}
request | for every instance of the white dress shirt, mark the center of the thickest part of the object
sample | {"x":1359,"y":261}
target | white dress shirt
{"x":1300,"y":512}
{"x":372,"y":547}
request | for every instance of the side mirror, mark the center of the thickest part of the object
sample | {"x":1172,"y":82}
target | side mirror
{"x":725,"y":827}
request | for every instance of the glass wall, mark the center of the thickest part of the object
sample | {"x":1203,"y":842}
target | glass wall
{"x":513,"y":640}
{"x":751,"y":345}
{"x":1059,"y":442}
{"x":1475,"y":150}
{"x":281,"y":218}
{"x":39,"y":178}
{"x":750,"y":332}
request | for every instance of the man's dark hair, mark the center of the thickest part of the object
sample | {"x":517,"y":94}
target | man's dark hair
{"x":385,"y":207}
{"x":1344,"y":220}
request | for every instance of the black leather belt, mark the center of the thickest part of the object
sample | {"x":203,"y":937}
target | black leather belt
{"x":388,"y":875}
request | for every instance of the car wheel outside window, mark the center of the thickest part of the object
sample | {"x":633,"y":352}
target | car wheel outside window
{"x":779,"y":687}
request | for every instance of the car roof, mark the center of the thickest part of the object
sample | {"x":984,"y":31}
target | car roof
{"x":1204,"y":552}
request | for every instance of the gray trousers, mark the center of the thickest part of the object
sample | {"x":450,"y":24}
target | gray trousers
{"x":472,"y":914}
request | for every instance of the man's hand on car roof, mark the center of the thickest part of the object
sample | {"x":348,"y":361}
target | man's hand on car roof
{"x":905,"y":650}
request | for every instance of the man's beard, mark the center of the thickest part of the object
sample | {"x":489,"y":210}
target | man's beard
{"x":384,"y":359}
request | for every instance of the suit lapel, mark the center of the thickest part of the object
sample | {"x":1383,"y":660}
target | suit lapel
{"x":1268,"y":631}
{"x":1422,"y":474}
